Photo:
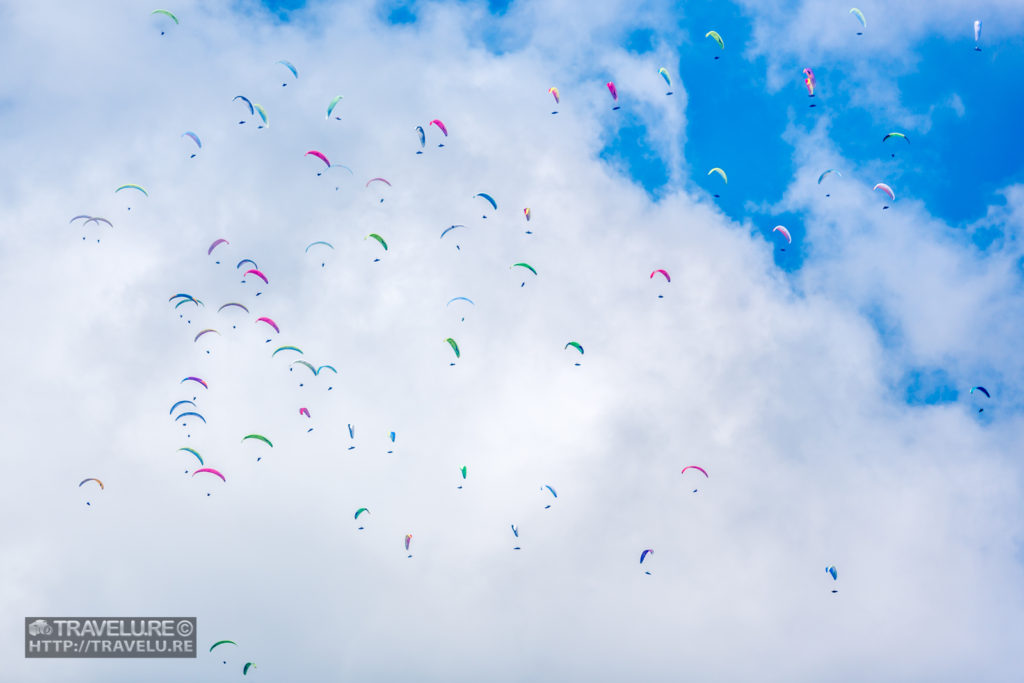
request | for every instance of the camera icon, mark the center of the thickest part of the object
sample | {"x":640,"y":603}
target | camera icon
{"x":39,"y":627}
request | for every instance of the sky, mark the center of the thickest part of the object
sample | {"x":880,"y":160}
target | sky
{"x":824,"y":385}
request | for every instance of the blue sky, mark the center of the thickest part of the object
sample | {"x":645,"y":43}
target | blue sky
{"x":825,"y":388}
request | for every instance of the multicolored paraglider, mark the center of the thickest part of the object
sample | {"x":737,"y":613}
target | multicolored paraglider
{"x":554,"y":93}
{"x":860,"y":17}
{"x":643,"y":556}
{"x":441,"y":127}
{"x":822,"y":177}
{"x":663,"y":72}
{"x":615,"y":95}
{"x":810,"y":82}
{"x":882,"y":187}
{"x":713,"y":35}
{"x":455,"y":348}
{"x":288,"y":65}
{"x":781,"y":229}
{"x":575,"y":345}
{"x":332,"y":105}
{"x":195,"y":139}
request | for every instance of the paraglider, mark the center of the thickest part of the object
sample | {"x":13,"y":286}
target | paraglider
{"x":423,"y":138}
{"x":896,"y":135}
{"x":331,"y":106}
{"x":133,"y":187}
{"x":888,"y":192}
{"x":489,"y":199}
{"x":166,"y":13}
{"x":981,"y":390}
{"x":246,"y":667}
{"x":91,"y":479}
{"x":380,"y":240}
{"x":663,"y":272}
{"x":668,"y":80}
{"x":382,"y":180}
{"x":320,"y":242}
{"x":258,"y":437}
{"x":441,"y":127}
{"x":361,"y":511}
{"x":215,"y":244}
{"x":210,"y":470}
{"x":288,"y":65}
{"x":717,"y":38}
{"x":553,"y":493}
{"x":455,"y":347}
{"x":192,"y":403}
{"x":831,"y":570}
{"x":575,"y":345}
{"x":554,"y":93}
{"x":822,"y":177}
{"x":195,"y":453}
{"x":204,"y":332}
{"x":450,"y":228}
{"x":526,"y":266}
{"x":810,"y":82}
{"x":223,"y":642}
{"x":781,"y":229}
{"x":186,"y":298}
{"x":305,"y":363}
{"x":270,"y":322}
{"x":190,"y":414}
{"x":408,"y":540}
{"x":194,"y":379}
{"x":860,"y":17}
{"x":286,"y":348}
{"x":644,"y":555}
{"x":720,"y":172}
{"x":257,"y":273}
{"x":526,"y":212}
{"x":615,"y":95}
{"x":319,"y":155}
{"x":695,"y":467}
{"x":195,"y":139}
{"x":304,"y":411}
{"x":245,"y":260}
{"x":248,"y":103}
{"x":977,"y":34}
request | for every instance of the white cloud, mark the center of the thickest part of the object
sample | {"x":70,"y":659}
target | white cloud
{"x":779,"y":387}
